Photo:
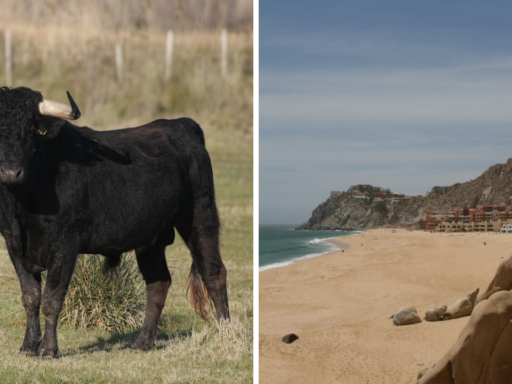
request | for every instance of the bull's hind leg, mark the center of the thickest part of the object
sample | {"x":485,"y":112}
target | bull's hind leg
{"x":207,"y":269}
{"x":153,"y":266}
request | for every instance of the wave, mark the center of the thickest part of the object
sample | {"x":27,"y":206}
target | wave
{"x":333,"y":248}
{"x":293,"y":248}
{"x":288,"y":262}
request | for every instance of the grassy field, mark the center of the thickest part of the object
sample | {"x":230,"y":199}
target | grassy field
{"x":188,"y":350}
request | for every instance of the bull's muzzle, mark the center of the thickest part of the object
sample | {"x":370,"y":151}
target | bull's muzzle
{"x":12,"y":175}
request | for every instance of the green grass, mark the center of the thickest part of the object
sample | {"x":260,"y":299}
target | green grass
{"x":188,"y":350}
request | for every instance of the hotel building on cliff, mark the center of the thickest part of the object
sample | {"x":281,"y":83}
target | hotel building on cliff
{"x":483,"y":218}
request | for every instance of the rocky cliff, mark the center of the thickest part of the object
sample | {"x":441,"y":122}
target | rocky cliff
{"x":344,"y":212}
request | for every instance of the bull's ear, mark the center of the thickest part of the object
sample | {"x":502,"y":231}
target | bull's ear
{"x":48,"y":126}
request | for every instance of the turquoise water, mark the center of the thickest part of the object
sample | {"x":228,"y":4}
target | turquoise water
{"x":281,"y":245}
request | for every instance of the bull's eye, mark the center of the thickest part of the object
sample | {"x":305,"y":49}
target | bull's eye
{"x":40,"y":131}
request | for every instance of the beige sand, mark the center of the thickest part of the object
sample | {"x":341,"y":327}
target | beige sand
{"x":339,"y":305}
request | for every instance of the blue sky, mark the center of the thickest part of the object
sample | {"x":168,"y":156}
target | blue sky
{"x":404,"y":95}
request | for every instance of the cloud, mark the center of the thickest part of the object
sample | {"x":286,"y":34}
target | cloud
{"x":456,"y":95}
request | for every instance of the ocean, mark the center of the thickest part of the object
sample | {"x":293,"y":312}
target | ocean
{"x":281,"y":245}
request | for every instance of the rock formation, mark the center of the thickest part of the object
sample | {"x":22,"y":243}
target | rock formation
{"x":343,"y":211}
{"x":481,"y":354}
{"x":502,"y":280}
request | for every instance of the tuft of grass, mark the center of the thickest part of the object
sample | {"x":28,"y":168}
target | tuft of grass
{"x":111,"y":301}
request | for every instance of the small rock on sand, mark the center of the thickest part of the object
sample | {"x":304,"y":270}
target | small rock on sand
{"x":406,"y":315}
{"x":290,"y":338}
{"x":462,"y":307}
{"x":458,"y":309}
{"x":435,"y":312}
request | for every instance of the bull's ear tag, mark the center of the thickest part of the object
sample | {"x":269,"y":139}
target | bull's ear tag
{"x":41,"y":132}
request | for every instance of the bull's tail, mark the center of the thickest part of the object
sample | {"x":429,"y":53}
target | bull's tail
{"x":197,"y":294}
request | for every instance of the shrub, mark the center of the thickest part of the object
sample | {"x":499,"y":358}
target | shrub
{"x":111,"y":301}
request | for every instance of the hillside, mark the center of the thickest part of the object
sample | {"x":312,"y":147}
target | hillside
{"x":344,"y":211}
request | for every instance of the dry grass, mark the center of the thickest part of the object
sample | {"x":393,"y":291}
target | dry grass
{"x":199,"y":356}
{"x":52,"y":60}
{"x":116,"y":15}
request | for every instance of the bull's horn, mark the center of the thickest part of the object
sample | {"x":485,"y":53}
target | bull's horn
{"x":54,"y":108}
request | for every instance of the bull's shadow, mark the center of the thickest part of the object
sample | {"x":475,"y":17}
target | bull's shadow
{"x":107,"y":344}
{"x":125,"y":339}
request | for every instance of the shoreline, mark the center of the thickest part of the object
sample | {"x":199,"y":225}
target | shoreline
{"x":339,"y":305}
{"x":336,"y":246}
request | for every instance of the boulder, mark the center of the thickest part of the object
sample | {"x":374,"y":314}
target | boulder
{"x":462,"y":307}
{"x":458,"y":309}
{"x":481,"y":354}
{"x":502,"y":281}
{"x":435,"y":312}
{"x":406,"y":315}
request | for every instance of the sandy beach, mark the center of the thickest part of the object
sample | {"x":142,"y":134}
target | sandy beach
{"x":339,"y":305}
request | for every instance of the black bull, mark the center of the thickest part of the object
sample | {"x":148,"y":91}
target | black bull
{"x":67,"y":190}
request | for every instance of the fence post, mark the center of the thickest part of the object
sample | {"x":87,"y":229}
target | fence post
{"x":224,"y":52}
{"x":8,"y":58}
{"x":119,"y":61}
{"x":168,"y":55}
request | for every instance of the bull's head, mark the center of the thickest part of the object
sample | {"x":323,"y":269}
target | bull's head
{"x":24,"y":117}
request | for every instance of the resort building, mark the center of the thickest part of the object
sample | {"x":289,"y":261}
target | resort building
{"x":488,"y":218}
{"x":377,"y":201}
{"x":484,"y":226}
{"x":382,"y":195}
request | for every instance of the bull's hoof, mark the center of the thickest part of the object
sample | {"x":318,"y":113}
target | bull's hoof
{"x":27,"y":352}
{"x":29,"y":349}
{"x":142,"y":345}
{"x":48,"y":354}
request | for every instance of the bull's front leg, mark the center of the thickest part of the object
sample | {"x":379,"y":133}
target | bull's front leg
{"x":59,"y":275}
{"x":31,"y":298}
